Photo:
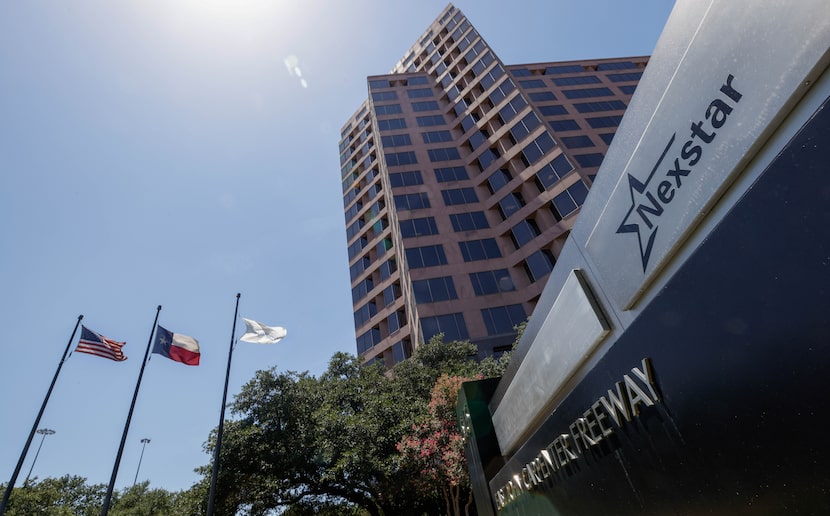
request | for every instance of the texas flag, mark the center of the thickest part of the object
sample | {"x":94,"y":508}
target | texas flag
{"x":174,"y":346}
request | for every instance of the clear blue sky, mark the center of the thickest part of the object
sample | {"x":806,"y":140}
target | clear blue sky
{"x":160,"y":152}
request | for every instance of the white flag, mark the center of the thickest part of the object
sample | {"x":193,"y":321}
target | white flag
{"x":258,"y":333}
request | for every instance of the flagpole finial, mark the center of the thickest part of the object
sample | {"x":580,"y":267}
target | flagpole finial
{"x":158,"y":309}
{"x":80,"y":317}
{"x":237,"y":295}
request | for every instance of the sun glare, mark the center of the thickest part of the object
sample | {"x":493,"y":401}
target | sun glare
{"x":235,"y":12}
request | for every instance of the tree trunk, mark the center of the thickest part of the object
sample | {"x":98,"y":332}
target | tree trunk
{"x":373,"y":509}
{"x":446,"y":499}
{"x":469,"y":502}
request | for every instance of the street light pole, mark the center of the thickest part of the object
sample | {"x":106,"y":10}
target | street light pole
{"x":44,"y":432}
{"x":143,"y":445}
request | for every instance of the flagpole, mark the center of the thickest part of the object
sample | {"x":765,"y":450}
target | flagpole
{"x":9,"y":488}
{"x":106,"y":507}
{"x":215,"y":475}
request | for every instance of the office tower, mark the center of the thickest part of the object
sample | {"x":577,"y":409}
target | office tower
{"x":461,"y":177}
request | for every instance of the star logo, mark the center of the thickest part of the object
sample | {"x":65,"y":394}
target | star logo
{"x":642,"y":202}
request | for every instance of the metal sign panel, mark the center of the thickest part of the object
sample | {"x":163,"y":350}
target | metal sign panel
{"x":570,"y":333}
{"x":725,"y":98}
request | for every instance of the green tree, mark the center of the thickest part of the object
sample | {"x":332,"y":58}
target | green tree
{"x":140,"y":500}
{"x":68,"y":495}
{"x":72,"y":496}
{"x":330,"y":444}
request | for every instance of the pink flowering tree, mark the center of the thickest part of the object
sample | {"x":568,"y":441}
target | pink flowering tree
{"x":434,"y":450}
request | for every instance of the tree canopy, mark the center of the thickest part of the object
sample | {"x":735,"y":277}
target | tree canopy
{"x":71,"y":495}
{"x":335,"y":441}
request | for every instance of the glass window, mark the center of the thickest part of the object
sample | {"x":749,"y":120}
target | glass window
{"x":562,"y":69}
{"x":350,"y":196}
{"x":396,"y":140}
{"x":573,"y":81}
{"x":388,"y":268}
{"x":416,"y":81}
{"x":413,"y":201}
{"x":474,"y":250}
{"x":364,"y":314}
{"x":396,"y":321}
{"x":498,"y":179}
{"x":524,"y":232}
{"x":456,"y":196}
{"x":553,"y":110}
{"x":451,"y":325}
{"x":500,"y":320}
{"x":619,"y":65}
{"x":589,"y":160}
{"x":359,"y":266}
{"x":391,"y":124}
{"x":400,"y":158}
{"x":380,"y":96}
{"x":355,"y":228}
{"x":533,"y":83}
{"x":383,"y":246}
{"x":477,"y":138}
{"x":509,"y":111}
{"x":605,"y":121}
{"x":628,"y":89}
{"x":443,"y":175}
{"x":378,"y":83}
{"x":587,"y":93}
{"x":491,"y":282}
{"x":401,"y":351}
{"x":357,"y":246}
{"x":568,"y":201}
{"x":468,"y":122}
{"x":476,"y":50}
{"x":607,"y":138}
{"x":564,"y":125}
{"x":510,"y":204}
{"x":469,"y":221}
{"x":460,"y":107}
{"x":487,"y":157}
{"x":538,"y":265}
{"x":436,"y":136}
{"x":366,"y":341}
{"x":625,"y":77}
{"x":601,"y":105}
{"x":525,"y":126}
{"x":418,"y":227}
{"x":410,"y":178}
{"x":541,"y":96}
{"x":502,"y":91}
{"x":538,"y":148}
{"x":490,"y":78}
{"x":428,"y":105}
{"x":427,"y":256}
{"x":391,"y":293}
{"x":434,"y":290}
{"x":419,"y":93}
{"x":430,"y":120}
{"x":354,"y":210}
{"x":443,"y":154}
{"x":577,"y":142}
{"x":362,"y":289}
{"x":520,"y":72}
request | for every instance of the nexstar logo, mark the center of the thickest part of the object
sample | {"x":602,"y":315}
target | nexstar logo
{"x":650,"y":198}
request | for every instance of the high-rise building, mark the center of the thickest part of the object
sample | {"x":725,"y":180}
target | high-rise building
{"x":461,"y":179}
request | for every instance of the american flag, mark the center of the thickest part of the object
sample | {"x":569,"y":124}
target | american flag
{"x":100,"y":346}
